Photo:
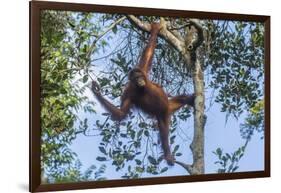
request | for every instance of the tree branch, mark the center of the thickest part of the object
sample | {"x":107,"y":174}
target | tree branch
{"x":197,"y":145}
{"x":174,"y":31}
{"x":164,"y":32}
{"x":198,"y":26}
{"x":195,"y":59}
{"x":98,"y":37}
{"x":187,"y":167}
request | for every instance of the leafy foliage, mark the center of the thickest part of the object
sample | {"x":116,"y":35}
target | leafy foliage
{"x":236,"y":68}
{"x":61,"y":96}
{"x":74,"y":174}
{"x":236,"y":64}
{"x":228,"y":163}
{"x":254,"y":121}
{"x":73,"y":46}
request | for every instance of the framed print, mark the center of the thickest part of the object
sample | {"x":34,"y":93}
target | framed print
{"x":123,"y":96}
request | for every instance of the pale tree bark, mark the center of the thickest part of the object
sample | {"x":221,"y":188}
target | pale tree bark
{"x":193,"y":61}
{"x":164,"y":33}
{"x":197,"y":145}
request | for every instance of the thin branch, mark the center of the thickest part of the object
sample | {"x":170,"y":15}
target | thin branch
{"x":98,"y":37}
{"x":103,"y":34}
{"x":146,"y":151}
{"x":179,"y":27}
{"x":187,"y":167}
{"x":115,"y":50}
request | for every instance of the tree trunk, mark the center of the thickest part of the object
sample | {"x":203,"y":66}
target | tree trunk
{"x":197,"y":145}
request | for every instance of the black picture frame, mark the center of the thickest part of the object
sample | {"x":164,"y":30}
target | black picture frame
{"x":34,"y":99}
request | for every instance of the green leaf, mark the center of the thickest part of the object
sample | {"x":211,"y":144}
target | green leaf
{"x":146,"y":133}
{"x":101,"y":159}
{"x":139,"y":169}
{"x":172,"y":139}
{"x":106,"y":114}
{"x":152,"y":160}
{"x":139,"y":133}
{"x":142,"y":124}
{"x":178,"y":154}
{"x":164,"y":170}
{"x":102,"y":149}
{"x":219,"y":152}
{"x":235,"y":168}
{"x":132,"y":134}
{"x":114,"y":29}
{"x":176,"y":149}
{"x":228,"y":156}
{"x":138,"y":162}
{"x":123,"y":135}
{"x":85,"y":78}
